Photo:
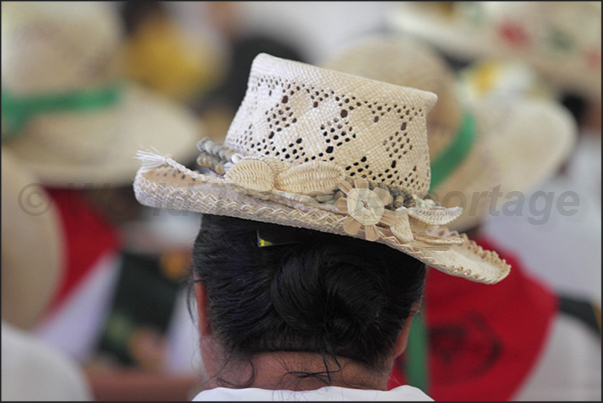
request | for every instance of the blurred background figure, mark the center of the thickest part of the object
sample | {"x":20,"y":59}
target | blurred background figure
{"x":167,"y":58}
{"x":539,"y":50}
{"x":473,"y":353}
{"x":75,"y":120}
{"x":32,"y":263}
{"x":199,"y":53}
{"x":560,"y":40}
{"x":68,"y":109}
{"x":242,"y":44}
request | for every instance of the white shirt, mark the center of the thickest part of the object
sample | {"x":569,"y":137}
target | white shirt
{"x":327,"y":393}
{"x":33,"y":370}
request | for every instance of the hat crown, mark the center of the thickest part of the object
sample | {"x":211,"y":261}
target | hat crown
{"x":50,"y":47}
{"x":301,"y":113}
{"x":406,"y":62}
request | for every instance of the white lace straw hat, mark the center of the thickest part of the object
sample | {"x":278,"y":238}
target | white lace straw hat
{"x":67,"y":109}
{"x":472,"y":147}
{"x":560,"y":39}
{"x":328,"y":151}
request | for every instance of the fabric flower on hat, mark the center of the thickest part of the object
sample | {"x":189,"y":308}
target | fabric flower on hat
{"x":366,"y":208}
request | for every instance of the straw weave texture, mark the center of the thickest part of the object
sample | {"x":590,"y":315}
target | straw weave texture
{"x":396,"y":60}
{"x":299,"y":113}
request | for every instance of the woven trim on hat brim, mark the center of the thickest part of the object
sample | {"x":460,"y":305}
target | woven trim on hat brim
{"x":96,"y":147}
{"x":178,"y":188}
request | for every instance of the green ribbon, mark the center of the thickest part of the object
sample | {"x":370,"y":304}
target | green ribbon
{"x":416,"y":355}
{"x":17,"y":111}
{"x":447,"y":162}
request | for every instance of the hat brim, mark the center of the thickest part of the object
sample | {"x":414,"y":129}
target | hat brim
{"x":528,"y":140}
{"x":32,"y":245}
{"x":473,"y":176}
{"x":467,"y":43}
{"x":97,"y":147}
{"x":521,"y":144}
{"x":172,"y":186}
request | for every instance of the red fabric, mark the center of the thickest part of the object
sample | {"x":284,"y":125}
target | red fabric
{"x":484,"y":340}
{"x":88,"y":236}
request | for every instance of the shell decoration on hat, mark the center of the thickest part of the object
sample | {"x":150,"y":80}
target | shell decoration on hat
{"x":374,"y":210}
{"x":365,"y":205}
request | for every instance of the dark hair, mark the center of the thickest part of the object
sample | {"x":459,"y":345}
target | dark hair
{"x":333,"y":295}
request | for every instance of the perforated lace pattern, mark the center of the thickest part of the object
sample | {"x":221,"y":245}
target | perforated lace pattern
{"x":299,"y":113}
{"x":402,"y":61}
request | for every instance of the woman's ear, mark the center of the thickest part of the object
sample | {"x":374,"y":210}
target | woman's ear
{"x":402,"y":338}
{"x":202,"y":312}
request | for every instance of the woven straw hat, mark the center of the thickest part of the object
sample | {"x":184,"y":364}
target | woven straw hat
{"x":67,"y":109}
{"x":561,"y":40}
{"x":323,"y":150}
{"x":32,"y":245}
{"x":472,"y":148}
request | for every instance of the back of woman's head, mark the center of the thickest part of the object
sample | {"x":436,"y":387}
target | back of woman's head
{"x":309,"y":291}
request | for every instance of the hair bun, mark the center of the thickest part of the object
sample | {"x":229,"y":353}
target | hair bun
{"x":338,"y":298}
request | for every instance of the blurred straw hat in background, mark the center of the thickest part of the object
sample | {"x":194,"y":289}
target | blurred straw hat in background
{"x":561,"y":40}
{"x":472,"y":147}
{"x":32,"y":245}
{"x":67,"y":109}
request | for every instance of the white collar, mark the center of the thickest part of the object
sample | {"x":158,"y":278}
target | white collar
{"x":408,"y":393}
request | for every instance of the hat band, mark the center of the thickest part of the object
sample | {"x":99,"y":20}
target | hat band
{"x":17,"y":111}
{"x":447,"y":162}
